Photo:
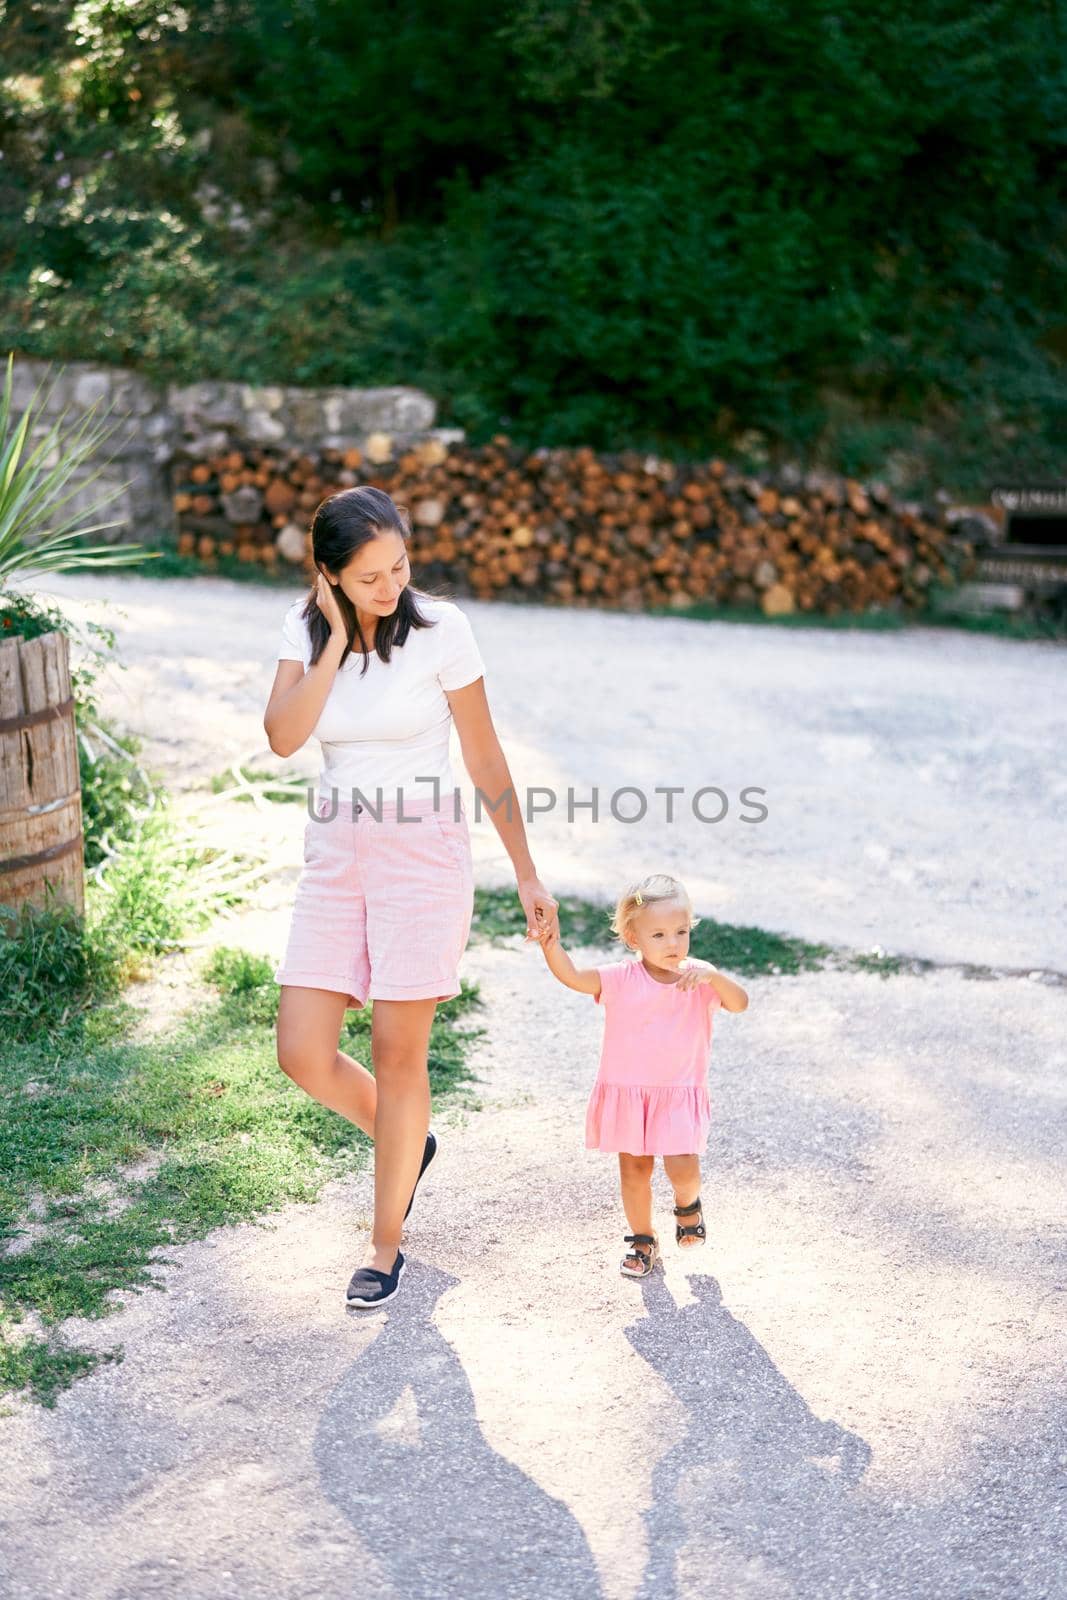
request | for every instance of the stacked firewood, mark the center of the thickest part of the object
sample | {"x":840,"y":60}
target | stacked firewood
{"x":586,"y":529}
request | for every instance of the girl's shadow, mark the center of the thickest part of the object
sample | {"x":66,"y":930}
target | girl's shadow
{"x":757,"y":1482}
{"x":400,"y":1453}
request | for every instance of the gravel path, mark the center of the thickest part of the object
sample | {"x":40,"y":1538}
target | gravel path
{"x":855,"y":1390}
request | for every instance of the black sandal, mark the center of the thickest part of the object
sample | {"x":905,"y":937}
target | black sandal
{"x":696,"y":1231}
{"x":645,"y":1259}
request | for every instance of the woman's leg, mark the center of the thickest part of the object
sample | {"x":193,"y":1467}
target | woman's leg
{"x":400,"y":1040}
{"x":392,"y":1106}
{"x":309,"y":1027}
{"x":635,"y":1177}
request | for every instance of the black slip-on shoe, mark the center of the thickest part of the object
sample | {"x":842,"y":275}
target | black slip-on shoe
{"x":369,"y":1287}
{"x":427,"y":1156}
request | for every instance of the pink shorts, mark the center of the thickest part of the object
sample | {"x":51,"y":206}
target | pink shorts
{"x":383,"y":907}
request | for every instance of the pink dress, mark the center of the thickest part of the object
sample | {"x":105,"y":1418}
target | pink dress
{"x":651,"y":1092}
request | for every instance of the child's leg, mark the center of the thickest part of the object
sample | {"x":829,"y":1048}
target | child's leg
{"x":635,"y":1177}
{"x":684,"y":1174}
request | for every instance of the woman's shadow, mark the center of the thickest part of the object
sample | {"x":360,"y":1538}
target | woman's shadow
{"x":758,"y":1484}
{"x":401,"y":1455}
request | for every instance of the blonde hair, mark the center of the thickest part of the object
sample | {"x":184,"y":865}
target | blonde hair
{"x":657,"y":887}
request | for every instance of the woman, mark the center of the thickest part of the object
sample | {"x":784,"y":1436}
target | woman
{"x":378,"y":671}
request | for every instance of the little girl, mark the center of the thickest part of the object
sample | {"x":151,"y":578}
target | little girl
{"x":650,"y":1097}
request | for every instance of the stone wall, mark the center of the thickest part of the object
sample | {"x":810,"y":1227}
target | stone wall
{"x":158,"y":427}
{"x":214,"y":417}
{"x":138,"y":453}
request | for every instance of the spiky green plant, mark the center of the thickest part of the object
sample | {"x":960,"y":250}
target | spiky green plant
{"x":39,"y":530}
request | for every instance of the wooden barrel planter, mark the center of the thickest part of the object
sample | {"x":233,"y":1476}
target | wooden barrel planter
{"x":41,"y":854}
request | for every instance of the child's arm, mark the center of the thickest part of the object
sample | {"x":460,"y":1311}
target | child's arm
{"x":586,"y":979}
{"x":731,"y":994}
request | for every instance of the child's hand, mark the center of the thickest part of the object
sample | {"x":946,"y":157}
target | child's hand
{"x":695,"y":973}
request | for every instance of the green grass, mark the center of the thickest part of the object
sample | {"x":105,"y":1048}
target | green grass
{"x":230,"y":1135}
{"x":498,"y":914}
{"x":750,"y":952}
{"x":43,"y":1369}
{"x":55,"y":966}
{"x":1002,"y":625}
{"x":753,"y":952}
{"x":737,"y":948}
{"x":883,"y":964}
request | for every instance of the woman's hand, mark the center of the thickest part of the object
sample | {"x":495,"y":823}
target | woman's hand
{"x":326,"y":601}
{"x":542,"y":911}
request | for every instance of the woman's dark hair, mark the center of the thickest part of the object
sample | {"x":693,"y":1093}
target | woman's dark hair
{"x":343,"y":523}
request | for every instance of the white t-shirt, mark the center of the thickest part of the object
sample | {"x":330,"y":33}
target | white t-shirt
{"x":389,"y":727}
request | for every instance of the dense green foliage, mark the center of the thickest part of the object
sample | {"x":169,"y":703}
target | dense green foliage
{"x":842,"y":226}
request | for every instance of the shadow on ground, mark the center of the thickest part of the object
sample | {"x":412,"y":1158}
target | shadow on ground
{"x":401,"y":1454}
{"x":759,"y":1497}
{"x":758,"y":1484}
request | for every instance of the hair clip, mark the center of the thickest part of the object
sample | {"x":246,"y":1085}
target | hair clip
{"x":637,"y":897}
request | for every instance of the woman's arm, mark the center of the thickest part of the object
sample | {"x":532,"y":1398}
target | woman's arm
{"x":488,"y":770}
{"x":298,"y":696}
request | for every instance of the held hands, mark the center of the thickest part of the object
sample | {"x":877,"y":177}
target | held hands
{"x":695,"y":973}
{"x":542,"y":911}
